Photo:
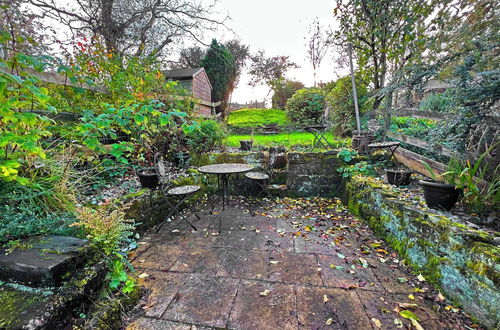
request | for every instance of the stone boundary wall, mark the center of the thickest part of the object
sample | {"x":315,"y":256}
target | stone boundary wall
{"x":464,"y":263}
{"x":313,"y":174}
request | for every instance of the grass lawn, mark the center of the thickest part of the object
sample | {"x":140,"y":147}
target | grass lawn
{"x":257,"y":117}
{"x":303,"y":139}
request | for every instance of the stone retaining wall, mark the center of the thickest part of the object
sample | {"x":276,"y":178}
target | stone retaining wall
{"x":463,"y":262}
{"x":304,"y":173}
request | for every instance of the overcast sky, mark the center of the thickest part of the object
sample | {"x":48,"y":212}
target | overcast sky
{"x":279,"y":27}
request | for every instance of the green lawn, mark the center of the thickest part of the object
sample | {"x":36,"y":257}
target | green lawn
{"x":303,"y":139}
{"x":246,"y":118}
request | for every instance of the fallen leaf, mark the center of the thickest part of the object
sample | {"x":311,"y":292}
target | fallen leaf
{"x":325,"y":298}
{"x":175,"y":231}
{"x":273,"y":262}
{"x":439,"y":297}
{"x":402,"y":279}
{"x":329,"y":321}
{"x":377,"y":322}
{"x":408,"y":315}
{"x":406,"y":305}
{"x":412,"y":297}
{"x":265,"y":293}
{"x":341,"y":256}
{"x":416,"y":324}
{"x":142,"y":261}
{"x":420,"y":278}
{"x":398,"y":323}
{"x":143,"y":275}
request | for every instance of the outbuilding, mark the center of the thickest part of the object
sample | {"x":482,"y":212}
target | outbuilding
{"x":196,"y":81}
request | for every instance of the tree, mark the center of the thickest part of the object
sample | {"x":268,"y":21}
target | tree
{"x":283,"y":90}
{"x":220,"y":66}
{"x":21,"y":31}
{"x":386,"y":34}
{"x":269,"y":70}
{"x":241,"y":53}
{"x":190,"y":57}
{"x":318,"y":44}
{"x":134,"y":27}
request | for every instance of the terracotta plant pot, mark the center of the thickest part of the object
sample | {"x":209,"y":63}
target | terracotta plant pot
{"x":148,"y":177}
{"x":398,"y":177}
{"x":440,"y":196}
{"x":246,"y":145}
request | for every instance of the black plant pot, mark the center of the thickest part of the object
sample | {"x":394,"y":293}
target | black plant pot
{"x":398,"y":177}
{"x":246,"y":145}
{"x":148,"y":177}
{"x":181,"y":159}
{"x":440,"y":196}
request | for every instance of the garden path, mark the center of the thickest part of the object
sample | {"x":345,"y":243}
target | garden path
{"x":298,"y":264}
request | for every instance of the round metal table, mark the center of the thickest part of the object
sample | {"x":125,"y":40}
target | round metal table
{"x":223,"y":171}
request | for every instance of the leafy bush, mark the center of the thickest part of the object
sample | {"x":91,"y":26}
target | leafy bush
{"x":439,"y":102}
{"x":416,"y":127}
{"x":341,"y":102}
{"x":284,"y":90}
{"x":23,"y":213}
{"x":257,"y":117}
{"x":204,"y":135}
{"x":361,"y":168}
{"x":306,"y":106}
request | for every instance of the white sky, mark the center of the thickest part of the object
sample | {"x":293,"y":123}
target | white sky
{"x":279,"y":27}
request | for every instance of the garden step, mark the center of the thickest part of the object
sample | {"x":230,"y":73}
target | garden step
{"x":43,"y":261}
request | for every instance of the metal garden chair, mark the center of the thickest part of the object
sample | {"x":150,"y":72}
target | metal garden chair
{"x":262,"y":180}
{"x":179,"y":193}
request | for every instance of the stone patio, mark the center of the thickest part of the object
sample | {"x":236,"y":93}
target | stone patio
{"x":298,"y":264}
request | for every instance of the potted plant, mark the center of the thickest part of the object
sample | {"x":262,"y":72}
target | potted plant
{"x":440,"y":193}
{"x":179,"y":148}
{"x":398,"y":176}
{"x":246,"y":145}
{"x":148,"y":177}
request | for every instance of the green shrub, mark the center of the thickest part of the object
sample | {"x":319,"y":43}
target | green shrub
{"x":204,"y":135}
{"x":306,"y":106}
{"x":283,"y":91}
{"x":21,"y":214}
{"x":440,"y":102}
{"x":257,"y":117}
{"x":341,"y":103}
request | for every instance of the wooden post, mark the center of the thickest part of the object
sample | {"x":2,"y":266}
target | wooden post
{"x":354,"y":92}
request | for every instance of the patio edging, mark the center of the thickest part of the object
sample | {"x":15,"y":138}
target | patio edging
{"x":462,"y":262}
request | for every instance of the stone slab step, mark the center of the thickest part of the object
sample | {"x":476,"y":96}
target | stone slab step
{"x":43,"y":261}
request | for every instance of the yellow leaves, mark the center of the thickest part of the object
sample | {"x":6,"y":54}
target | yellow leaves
{"x":377,"y":322}
{"x":382,"y":251}
{"x":412,"y":297}
{"x":329,"y":321}
{"x":143,"y":275}
{"x":420,"y":278}
{"x":265,"y":293}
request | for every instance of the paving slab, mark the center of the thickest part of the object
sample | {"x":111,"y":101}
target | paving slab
{"x":154,"y":324}
{"x":203,"y":300}
{"x":160,"y":256}
{"x":161,"y":289}
{"x":252,"y":310}
{"x":320,"y":308}
{"x":247,"y":264}
{"x":218,"y":279}
{"x":294,"y":268}
{"x":347,"y":273}
{"x":200,"y":260}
